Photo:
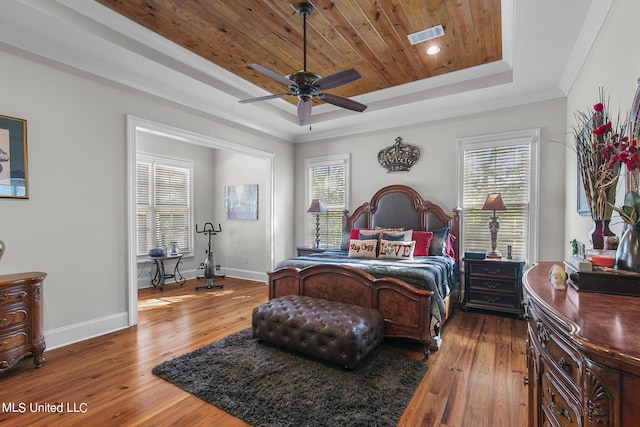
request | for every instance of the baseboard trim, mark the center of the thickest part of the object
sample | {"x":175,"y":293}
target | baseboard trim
{"x":258,"y":276}
{"x":60,"y":337}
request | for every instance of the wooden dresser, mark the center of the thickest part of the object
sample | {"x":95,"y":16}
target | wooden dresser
{"x":583,"y":355}
{"x":21,"y":331}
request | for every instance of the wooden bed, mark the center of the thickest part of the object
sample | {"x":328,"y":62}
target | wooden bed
{"x":407,"y":309}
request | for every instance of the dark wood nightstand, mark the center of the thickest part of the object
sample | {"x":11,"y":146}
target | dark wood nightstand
{"x":493,"y":284}
{"x":306,"y":250}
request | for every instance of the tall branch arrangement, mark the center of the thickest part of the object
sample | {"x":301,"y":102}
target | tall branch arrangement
{"x":598,"y":146}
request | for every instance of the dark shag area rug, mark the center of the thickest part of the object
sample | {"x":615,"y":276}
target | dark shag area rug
{"x":265,"y":385}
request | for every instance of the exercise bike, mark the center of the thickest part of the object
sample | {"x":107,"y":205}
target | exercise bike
{"x":208,"y":266}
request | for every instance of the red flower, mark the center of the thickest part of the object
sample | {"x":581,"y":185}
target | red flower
{"x":602,"y":129}
{"x":598,"y":107}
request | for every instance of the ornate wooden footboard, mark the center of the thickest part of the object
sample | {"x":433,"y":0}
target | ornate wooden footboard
{"x":406,"y":310}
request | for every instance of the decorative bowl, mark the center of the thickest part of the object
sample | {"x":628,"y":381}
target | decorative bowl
{"x":601,"y":258}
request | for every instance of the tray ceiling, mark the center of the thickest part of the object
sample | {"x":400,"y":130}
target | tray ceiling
{"x":368,"y":35}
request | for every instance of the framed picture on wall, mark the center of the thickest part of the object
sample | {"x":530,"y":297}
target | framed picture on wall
{"x":13,"y":158}
{"x":241,"y":201}
{"x":583,"y":206}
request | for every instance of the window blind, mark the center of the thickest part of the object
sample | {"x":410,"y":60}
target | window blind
{"x":164,"y":197}
{"x":327,"y":180}
{"x":505,"y":169}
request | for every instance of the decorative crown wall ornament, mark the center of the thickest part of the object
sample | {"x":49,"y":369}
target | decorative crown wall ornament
{"x":398,"y":157}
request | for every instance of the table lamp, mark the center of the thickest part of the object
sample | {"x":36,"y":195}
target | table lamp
{"x":317,"y":206}
{"x":494,"y":203}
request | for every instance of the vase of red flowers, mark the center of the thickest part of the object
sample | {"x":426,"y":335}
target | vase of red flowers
{"x":599,"y":145}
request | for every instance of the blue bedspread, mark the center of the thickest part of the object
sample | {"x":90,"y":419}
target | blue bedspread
{"x":432,"y":273}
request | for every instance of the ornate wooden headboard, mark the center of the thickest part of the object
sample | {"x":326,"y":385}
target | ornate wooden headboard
{"x":402,"y":206}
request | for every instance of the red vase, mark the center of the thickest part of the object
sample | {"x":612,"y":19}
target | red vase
{"x":599,"y":231}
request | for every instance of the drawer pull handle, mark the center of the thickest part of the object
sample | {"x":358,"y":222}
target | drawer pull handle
{"x":525,"y":381}
{"x":563,"y":364}
{"x":491,"y":285}
{"x":3,"y":343}
{"x":23,"y":295}
{"x":4,"y":320}
{"x":551,"y":393}
{"x":562,"y":412}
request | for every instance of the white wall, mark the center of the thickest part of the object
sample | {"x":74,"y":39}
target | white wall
{"x":240,"y":247}
{"x":74,"y":225}
{"x":613,"y":64}
{"x":434,"y":175}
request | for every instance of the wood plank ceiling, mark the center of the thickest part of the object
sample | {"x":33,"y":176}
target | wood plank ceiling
{"x":368,"y":35}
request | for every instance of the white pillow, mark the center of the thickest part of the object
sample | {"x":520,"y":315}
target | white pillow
{"x":362,"y":248}
{"x":396,"y":249}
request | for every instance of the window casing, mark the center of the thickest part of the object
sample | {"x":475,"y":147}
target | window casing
{"x":504,"y":163}
{"x":327,"y":178}
{"x":164,"y":201}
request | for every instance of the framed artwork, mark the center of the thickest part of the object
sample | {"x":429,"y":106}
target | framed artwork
{"x":583,"y":206}
{"x":13,"y":158}
{"x":241,"y":201}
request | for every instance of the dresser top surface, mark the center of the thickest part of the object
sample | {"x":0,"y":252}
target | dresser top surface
{"x":603,"y":324}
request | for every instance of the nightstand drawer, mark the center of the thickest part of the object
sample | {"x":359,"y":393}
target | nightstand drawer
{"x":493,"y":299}
{"x":492,"y":285}
{"x":494,"y":269}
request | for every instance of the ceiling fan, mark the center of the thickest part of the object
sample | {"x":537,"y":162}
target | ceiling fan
{"x":307,"y":85}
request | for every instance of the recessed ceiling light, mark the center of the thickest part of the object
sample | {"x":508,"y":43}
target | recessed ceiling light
{"x":433,"y":50}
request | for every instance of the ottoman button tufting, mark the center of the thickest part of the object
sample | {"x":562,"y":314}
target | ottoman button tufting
{"x":352,"y":331}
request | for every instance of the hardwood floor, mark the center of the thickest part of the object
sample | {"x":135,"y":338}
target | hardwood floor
{"x":474,"y":380}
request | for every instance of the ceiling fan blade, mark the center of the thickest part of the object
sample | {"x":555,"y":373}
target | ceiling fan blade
{"x":337,"y":79}
{"x":264,"y":98}
{"x":339,"y":101}
{"x":271,"y":74}
{"x":304,"y":109}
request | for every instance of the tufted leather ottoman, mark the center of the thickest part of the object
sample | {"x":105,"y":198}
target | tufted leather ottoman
{"x":339,"y":333}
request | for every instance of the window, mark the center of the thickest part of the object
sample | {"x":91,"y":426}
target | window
{"x":504,"y":163}
{"x":164,"y":202}
{"x":327,"y":179}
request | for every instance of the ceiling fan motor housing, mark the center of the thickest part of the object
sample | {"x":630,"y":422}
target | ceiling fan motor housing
{"x":304,"y":9}
{"x":304,"y":83}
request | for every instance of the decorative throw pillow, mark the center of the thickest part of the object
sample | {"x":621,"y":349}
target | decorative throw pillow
{"x":396,"y":237}
{"x":396,"y":250}
{"x":353,"y":234}
{"x":402,"y":236}
{"x":448,"y":248}
{"x":438,"y":242}
{"x":368,"y":235}
{"x":389,"y":229}
{"x":362,"y":248}
{"x":423,"y":242}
